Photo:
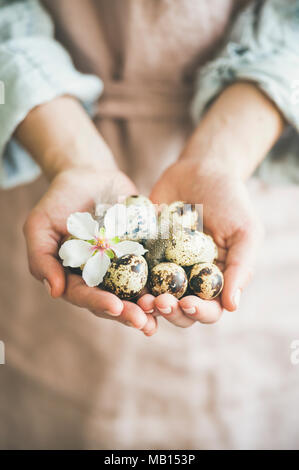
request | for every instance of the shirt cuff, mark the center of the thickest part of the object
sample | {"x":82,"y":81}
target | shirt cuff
{"x":275,"y":73}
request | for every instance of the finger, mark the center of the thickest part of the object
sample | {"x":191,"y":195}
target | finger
{"x":240,"y":262}
{"x":133,"y":315}
{"x":103,"y":304}
{"x":42,"y":245}
{"x":169,"y":308}
{"x":96,"y":300}
{"x":220,"y":264}
{"x":147,"y":303}
{"x":204,"y":311}
{"x":151,"y":326}
{"x":222,"y":253}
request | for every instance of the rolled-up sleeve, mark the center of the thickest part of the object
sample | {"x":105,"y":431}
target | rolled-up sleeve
{"x":263,"y":48}
{"x":34,"y":69}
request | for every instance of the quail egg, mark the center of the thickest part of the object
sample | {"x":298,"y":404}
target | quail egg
{"x":168,"y":277}
{"x":206,"y":280}
{"x":156,"y":251}
{"x":141,"y":221}
{"x":180,"y":214}
{"x":126,"y":276}
{"x":188,"y":247}
{"x":138,"y":200}
{"x":210,"y":251}
{"x":157,"y":246}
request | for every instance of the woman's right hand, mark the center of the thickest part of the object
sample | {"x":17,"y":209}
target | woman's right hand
{"x":63,"y":140}
{"x":75,"y":190}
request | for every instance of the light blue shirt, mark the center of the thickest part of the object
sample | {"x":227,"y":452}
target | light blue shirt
{"x":34,"y":69}
{"x":263,"y":47}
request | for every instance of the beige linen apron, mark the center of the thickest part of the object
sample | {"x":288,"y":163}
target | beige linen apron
{"x":74,"y":381}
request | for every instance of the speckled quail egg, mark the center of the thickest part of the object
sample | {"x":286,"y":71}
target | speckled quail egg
{"x":156,"y":246}
{"x":206,"y":280}
{"x":211,"y":250}
{"x":126,"y":276}
{"x":188,"y":247}
{"x":180,"y":214}
{"x":168,"y":277}
{"x":138,"y":200}
{"x":156,"y":251}
{"x":141,"y":220}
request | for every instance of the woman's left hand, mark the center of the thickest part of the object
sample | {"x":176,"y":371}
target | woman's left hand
{"x":229,"y":217}
{"x":232,"y":138}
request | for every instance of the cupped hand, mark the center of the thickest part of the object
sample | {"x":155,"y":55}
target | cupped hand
{"x":76,"y":190}
{"x":229,"y":217}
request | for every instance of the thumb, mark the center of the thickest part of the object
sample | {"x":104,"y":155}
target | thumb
{"x":42,"y":247}
{"x":240,"y":262}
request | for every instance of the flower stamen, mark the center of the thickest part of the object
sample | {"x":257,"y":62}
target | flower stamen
{"x":101,"y":244}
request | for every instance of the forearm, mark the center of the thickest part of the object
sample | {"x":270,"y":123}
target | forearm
{"x":236,"y":133}
{"x":60,"y":135}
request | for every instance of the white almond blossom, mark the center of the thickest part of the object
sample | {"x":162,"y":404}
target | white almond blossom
{"x":94,"y":246}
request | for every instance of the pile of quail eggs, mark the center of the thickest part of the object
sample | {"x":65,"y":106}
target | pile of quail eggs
{"x":179,"y":258}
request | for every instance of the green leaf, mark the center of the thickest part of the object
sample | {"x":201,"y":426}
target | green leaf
{"x":110,"y":253}
{"x":115,"y":240}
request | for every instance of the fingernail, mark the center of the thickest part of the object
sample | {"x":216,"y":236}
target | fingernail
{"x":47,"y":286}
{"x":149,"y":311}
{"x":165,"y":310}
{"x":237,"y":298}
{"x":189,"y":311}
{"x":111,"y":314}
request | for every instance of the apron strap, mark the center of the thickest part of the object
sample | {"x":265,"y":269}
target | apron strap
{"x":129,"y":100}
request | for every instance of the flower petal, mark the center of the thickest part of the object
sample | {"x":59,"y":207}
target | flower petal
{"x":128,"y":248}
{"x":115,"y":221}
{"x":95,"y":269}
{"x":82,"y":225}
{"x":74,"y":253}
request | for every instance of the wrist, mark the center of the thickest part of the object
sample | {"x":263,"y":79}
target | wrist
{"x":236,"y":133}
{"x":82,"y":152}
{"x":209,"y":155}
{"x":205,"y":174}
{"x":60,"y":135}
